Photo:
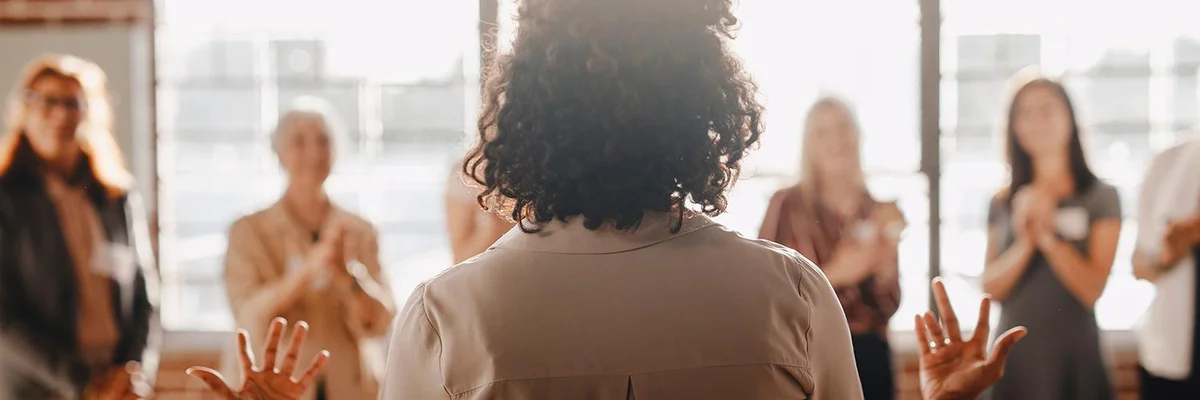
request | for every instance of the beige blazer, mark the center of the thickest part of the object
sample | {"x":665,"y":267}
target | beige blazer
{"x":262,"y":247}
{"x":569,"y":313}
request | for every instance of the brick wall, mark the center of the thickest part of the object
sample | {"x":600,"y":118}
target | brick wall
{"x":68,"y":12}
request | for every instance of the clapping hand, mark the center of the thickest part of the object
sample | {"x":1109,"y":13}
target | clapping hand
{"x":327,"y":256}
{"x":857,"y":259}
{"x":954,"y":369}
{"x":269,"y":382}
{"x":1180,"y":238}
{"x":1032,"y":212}
{"x":890,"y":220}
{"x":120,"y":383}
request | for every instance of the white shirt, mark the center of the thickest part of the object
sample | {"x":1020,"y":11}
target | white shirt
{"x":1170,"y":190}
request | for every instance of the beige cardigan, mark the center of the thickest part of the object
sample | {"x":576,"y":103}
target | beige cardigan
{"x":261,"y":248}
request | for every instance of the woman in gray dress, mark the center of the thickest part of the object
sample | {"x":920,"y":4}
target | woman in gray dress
{"x":1052,"y":236}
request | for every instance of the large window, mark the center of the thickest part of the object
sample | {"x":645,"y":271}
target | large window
{"x":1134,"y":91}
{"x":406,"y":92}
{"x":225,"y":77}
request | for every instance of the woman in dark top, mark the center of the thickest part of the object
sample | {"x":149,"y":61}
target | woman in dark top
{"x":1052,"y":237}
{"x":77,"y":297}
{"x":830,"y":218}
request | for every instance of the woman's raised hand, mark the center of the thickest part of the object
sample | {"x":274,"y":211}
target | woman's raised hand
{"x":271,"y":381}
{"x":952,"y":368}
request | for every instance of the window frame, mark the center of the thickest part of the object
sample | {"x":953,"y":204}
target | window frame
{"x":929,"y":165}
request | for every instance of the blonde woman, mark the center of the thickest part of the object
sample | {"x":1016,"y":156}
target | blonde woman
{"x":306,"y":258}
{"x":77,"y":280}
{"x":831,"y":218}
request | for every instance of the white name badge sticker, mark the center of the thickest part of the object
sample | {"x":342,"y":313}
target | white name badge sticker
{"x":1072,"y":223}
{"x":113,"y":260}
{"x":321,"y":281}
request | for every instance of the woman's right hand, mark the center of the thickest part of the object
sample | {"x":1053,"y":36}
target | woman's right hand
{"x":327,"y":254}
{"x":1181,"y":237}
{"x":854,"y":261}
{"x":1030,"y":206}
{"x":952,"y":367}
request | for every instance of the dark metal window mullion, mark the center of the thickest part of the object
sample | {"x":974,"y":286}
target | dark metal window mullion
{"x":931,"y":30}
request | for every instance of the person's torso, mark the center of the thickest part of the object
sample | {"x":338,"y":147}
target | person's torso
{"x":1040,"y":299}
{"x":41,"y":276}
{"x":701,"y":314}
{"x":286,"y":245}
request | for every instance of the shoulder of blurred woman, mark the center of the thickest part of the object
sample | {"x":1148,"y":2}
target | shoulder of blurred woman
{"x":786,"y":195}
{"x":357,"y":225}
{"x":247,"y":224}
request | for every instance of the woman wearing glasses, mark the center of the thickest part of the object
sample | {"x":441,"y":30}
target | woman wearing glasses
{"x":77,"y":281}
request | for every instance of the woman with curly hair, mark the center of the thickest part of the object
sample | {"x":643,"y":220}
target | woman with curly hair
{"x":612,"y":133}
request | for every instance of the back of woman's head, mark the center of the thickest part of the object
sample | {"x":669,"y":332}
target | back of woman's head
{"x":609,"y":109}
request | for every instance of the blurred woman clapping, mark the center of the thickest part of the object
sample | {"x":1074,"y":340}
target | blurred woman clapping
{"x":1051,"y":241}
{"x":305,"y":258}
{"x":830,"y":218}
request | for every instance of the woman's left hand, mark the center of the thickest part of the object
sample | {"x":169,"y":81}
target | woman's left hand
{"x":269,"y":382}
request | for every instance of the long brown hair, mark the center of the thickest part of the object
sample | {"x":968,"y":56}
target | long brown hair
{"x":102,"y":155}
{"x":1020,"y":162}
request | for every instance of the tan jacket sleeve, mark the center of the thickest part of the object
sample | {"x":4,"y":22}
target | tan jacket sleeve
{"x":830,"y":351}
{"x":378,"y":301}
{"x":250,"y":296}
{"x":414,"y":356}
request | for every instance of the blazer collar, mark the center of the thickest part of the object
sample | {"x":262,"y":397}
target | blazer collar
{"x":283,"y":219}
{"x":571,"y":237}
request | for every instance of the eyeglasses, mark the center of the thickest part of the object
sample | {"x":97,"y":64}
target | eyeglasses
{"x":47,"y":103}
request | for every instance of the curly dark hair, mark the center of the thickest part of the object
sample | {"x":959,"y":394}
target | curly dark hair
{"x":609,"y":109}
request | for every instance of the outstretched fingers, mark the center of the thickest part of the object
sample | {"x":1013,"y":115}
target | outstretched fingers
{"x":274,"y":334}
{"x":922,"y":338}
{"x":293,"y":352}
{"x":310,"y":374}
{"x":983,"y":327}
{"x":949,"y":319}
{"x":933,"y":331}
{"x":245,"y":354}
{"x":1004,"y":344}
{"x":213,"y":380}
